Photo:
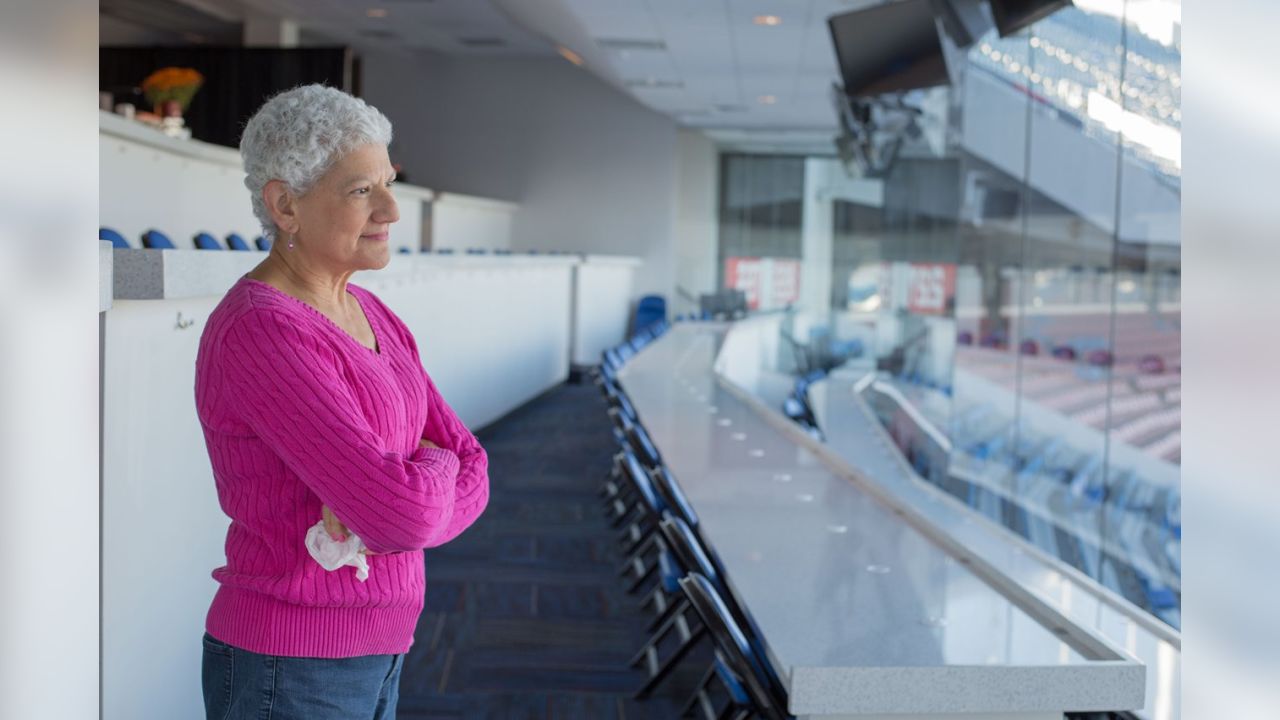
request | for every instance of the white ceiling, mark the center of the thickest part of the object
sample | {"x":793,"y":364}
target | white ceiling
{"x":708,"y":64}
{"x":705,"y":63}
{"x":439,"y":25}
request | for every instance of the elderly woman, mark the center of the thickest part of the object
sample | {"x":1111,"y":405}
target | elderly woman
{"x":316,"y":408}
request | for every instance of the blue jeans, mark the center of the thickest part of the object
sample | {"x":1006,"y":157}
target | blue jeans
{"x":243,"y":685}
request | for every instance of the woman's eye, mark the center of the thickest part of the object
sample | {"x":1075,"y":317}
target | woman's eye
{"x":361,"y":191}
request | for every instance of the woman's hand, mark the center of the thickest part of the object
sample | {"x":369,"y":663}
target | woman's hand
{"x":427,"y":443}
{"x":336,"y":529}
{"x":333,"y":525}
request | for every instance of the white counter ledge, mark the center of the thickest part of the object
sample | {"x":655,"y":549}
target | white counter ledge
{"x":151,"y":274}
{"x":863,"y":614}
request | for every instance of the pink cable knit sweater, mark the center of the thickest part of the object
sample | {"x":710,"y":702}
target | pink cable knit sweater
{"x":297,"y":414}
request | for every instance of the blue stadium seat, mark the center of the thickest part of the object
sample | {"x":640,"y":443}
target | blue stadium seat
{"x":263,"y":243}
{"x":157,"y":240}
{"x":673,"y":496}
{"x":733,"y":683}
{"x":235,"y":242}
{"x":651,"y":309}
{"x":670,"y":573}
{"x":205,"y":241}
{"x":117,"y":240}
{"x":643,"y":446}
{"x":404,"y":251}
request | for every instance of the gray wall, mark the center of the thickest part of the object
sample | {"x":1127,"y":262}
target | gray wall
{"x":592,"y":169}
{"x":697,"y":219}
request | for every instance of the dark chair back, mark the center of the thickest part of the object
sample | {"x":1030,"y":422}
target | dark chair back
{"x":687,"y":548}
{"x":262,"y":242}
{"x":639,"y":478}
{"x":673,"y":495}
{"x":623,"y":402}
{"x":157,"y":240}
{"x":689,"y":551}
{"x":235,"y":242}
{"x":643,"y":445}
{"x":205,"y":241}
{"x":732,"y":643}
{"x":608,"y":372}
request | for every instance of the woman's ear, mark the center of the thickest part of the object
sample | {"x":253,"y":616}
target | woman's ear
{"x":281,"y":206}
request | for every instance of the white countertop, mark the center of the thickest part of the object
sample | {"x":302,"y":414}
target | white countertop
{"x":151,"y":274}
{"x":105,"y":282}
{"x":862,"y":612}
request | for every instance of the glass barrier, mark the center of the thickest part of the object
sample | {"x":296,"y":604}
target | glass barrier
{"x":1014,"y":281}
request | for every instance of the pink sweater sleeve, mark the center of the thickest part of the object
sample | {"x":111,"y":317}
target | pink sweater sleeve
{"x":289,"y":388}
{"x":472,"y":489}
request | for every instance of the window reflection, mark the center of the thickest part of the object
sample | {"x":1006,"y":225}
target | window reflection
{"x":1017,"y":295}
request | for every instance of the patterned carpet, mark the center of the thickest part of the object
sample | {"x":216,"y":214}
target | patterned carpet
{"x":525,"y":616}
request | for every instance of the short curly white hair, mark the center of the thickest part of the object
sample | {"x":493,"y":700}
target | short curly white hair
{"x":297,"y":135}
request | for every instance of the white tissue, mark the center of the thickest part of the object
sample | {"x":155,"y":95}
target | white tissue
{"x":332,"y":554}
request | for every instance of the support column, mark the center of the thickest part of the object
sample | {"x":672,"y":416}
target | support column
{"x":816,"y":238}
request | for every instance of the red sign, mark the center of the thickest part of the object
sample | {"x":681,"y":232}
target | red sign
{"x":930,"y":287}
{"x":769,"y":283}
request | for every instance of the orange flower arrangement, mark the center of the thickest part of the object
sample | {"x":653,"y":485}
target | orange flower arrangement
{"x":172,"y":83}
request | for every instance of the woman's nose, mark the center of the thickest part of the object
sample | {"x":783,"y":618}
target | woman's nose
{"x":387,"y":211}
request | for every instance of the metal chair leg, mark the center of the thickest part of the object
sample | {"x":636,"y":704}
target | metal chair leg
{"x":658,"y":668}
{"x":700,"y":698}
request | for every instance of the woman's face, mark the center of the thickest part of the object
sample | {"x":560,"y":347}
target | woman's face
{"x":344,"y":219}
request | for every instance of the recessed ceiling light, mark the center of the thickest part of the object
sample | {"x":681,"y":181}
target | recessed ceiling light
{"x":767,"y":99}
{"x":768,"y":20}
{"x":569,"y":55}
{"x":376,"y":12}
